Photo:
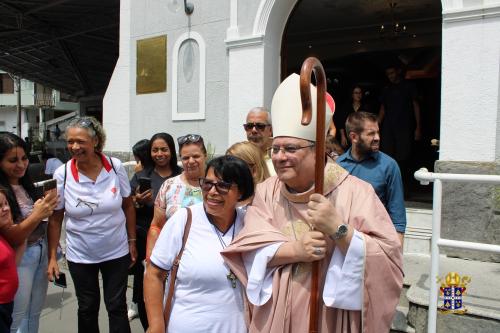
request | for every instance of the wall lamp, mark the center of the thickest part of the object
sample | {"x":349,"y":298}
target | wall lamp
{"x":174,"y":6}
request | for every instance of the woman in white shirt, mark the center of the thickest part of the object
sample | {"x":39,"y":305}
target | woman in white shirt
{"x":207,"y":296}
{"x":99,"y":212}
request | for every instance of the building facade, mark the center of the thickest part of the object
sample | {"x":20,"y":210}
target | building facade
{"x":38,"y":104}
{"x":242,"y":40}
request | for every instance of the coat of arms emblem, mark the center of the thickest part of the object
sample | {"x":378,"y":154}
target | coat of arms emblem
{"x":452,"y":290}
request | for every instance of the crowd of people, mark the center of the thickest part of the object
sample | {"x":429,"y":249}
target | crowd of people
{"x":220,"y":245}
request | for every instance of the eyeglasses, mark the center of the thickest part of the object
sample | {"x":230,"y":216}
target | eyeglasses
{"x":188,"y":138}
{"x":221,"y":187}
{"x":288,"y":149}
{"x":89,"y":204}
{"x":259,"y":126}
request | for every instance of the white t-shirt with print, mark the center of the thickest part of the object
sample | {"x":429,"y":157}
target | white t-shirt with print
{"x":95,"y":221}
{"x":204,"y":300}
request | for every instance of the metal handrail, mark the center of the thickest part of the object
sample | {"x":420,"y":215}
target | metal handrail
{"x":60,"y":119}
{"x":424,"y":176}
{"x":129,"y":163}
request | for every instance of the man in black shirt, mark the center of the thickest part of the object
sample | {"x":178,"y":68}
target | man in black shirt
{"x":399,"y":117}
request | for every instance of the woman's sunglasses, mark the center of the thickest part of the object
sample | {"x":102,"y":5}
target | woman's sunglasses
{"x":221,"y":187}
{"x":188,"y":138}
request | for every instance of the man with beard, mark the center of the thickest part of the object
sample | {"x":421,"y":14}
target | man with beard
{"x":365,"y":161}
{"x":260,"y":132}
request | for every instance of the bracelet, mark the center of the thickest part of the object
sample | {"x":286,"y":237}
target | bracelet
{"x":132,"y":239}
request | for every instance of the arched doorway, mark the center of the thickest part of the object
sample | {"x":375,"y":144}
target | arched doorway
{"x":356,"y":41}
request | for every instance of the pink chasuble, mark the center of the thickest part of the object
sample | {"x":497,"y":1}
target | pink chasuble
{"x":276,"y":215}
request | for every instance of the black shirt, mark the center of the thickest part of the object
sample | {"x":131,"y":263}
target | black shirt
{"x":144,"y":215}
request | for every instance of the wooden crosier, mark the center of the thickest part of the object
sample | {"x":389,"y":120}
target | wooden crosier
{"x":309,"y":66}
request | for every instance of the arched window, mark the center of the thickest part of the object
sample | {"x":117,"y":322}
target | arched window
{"x":188,"y":77}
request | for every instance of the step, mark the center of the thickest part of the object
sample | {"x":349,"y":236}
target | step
{"x":400,"y":322}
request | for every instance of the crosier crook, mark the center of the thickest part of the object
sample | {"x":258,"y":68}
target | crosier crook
{"x":310,"y":65}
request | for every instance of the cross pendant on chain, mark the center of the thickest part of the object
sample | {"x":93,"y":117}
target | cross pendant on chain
{"x":232,"y":278}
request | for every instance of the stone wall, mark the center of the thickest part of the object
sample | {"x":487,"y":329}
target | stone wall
{"x":470,"y":212}
{"x":124,"y":157}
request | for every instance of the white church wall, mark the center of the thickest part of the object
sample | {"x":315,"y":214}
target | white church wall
{"x":254,"y":58}
{"x":245,"y":88}
{"x":247,"y":11}
{"x":116,"y":101}
{"x":470,"y":83}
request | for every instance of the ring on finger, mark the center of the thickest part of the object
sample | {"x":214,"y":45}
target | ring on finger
{"x":318,"y":250}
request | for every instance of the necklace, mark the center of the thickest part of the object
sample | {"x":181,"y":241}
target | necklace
{"x":230,"y":276}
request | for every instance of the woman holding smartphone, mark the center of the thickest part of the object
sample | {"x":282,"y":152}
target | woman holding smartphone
{"x":28,"y":232}
{"x":159,"y":165}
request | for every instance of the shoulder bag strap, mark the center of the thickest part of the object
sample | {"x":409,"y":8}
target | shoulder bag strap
{"x":65,"y":174}
{"x":173,"y":271}
{"x":112,"y":165}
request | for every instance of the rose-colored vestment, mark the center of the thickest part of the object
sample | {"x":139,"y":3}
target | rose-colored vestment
{"x":276,"y":215}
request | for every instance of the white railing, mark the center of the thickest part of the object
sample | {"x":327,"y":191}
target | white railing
{"x":129,"y":164}
{"x":425,"y":177}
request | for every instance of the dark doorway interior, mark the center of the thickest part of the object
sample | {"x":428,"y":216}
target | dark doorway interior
{"x":347,"y":36}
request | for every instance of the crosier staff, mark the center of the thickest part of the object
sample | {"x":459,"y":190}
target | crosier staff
{"x":310,"y":65}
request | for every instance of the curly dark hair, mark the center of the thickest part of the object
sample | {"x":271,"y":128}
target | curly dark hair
{"x":93,"y":127}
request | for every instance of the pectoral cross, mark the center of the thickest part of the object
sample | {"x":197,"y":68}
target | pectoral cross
{"x":232,"y":278}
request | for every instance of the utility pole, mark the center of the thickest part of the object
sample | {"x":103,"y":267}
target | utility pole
{"x":18,"y":86}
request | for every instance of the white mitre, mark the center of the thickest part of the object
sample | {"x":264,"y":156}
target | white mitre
{"x":286,"y":111}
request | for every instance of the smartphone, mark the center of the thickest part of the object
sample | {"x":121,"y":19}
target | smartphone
{"x":61,"y":281}
{"x":49,"y":185}
{"x":144,"y":184}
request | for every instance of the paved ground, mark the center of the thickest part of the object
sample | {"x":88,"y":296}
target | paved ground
{"x":483,"y":297}
{"x":57,"y":319}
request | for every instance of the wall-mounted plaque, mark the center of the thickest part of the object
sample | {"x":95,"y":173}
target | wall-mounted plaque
{"x":151,"y":74}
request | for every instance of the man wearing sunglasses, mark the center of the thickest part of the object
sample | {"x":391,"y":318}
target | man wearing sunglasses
{"x":346,"y":230}
{"x":260,"y":132}
{"x":258,"y":128}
